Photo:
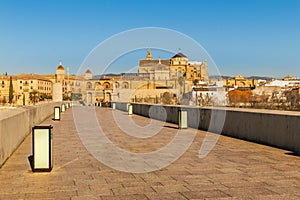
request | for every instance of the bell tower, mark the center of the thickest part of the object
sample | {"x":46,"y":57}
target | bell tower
{"x":149,"y":55}
{"x":60,"y":73}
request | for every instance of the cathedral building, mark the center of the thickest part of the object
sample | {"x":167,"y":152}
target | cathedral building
{"x":157,"y":76}
{"x":172,"y":69}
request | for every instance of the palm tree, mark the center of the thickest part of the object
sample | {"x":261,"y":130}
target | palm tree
{"x":34,"y":96}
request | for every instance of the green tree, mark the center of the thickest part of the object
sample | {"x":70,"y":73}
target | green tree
{"x":181,"y":83}
{"x":34,"y":96}
{"x":44,"y":96}
{"x":23,"y":99}
{"x":195,"y":82}
{"x":67,"y":98}
{"x":76,"y":96}
{"x":167,"y":98}
{"x":11,"y":91}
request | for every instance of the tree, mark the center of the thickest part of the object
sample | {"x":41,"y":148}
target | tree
{"x":292,"y":98}
{"x":195,"y":82}
{"x":167,"y":98}
{"x":67,"y":98}
{"x":34,"y":96}
{"x":11,"y":91}
{"x":76,"y":96}
{"x":181,"y":81}
{"x":44,"y":96}
{"x":23,"y":99}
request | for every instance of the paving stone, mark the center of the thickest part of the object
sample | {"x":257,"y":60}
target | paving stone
{"x":234,"y":169}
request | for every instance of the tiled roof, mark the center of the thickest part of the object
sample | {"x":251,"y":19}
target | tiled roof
{"x":179,"y":55}
{"x":60,"y":67}
{"x":146,"y":63}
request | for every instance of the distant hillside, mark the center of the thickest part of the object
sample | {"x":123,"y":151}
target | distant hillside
{"x":260,"y":77}
{"x":210,"y":77}
{"x":102,"y":75}
{"x":217,"y":77}
{"x":250,"y":77}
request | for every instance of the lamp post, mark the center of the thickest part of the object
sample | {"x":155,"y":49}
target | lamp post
{"x":63,"y":108}
{"x":56,"y":113}
{"x":42,"y":148}
{"x":182,"y":119}
{"x":130,"y":109}
{"x":103,"y":95}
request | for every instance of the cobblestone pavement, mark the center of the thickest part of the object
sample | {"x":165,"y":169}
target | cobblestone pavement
{"x":234,"y":169}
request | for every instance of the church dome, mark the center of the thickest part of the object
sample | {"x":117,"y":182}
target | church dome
{"x":88,"y":71}
{"x":180,"y":55}
{"x":60,"y":67}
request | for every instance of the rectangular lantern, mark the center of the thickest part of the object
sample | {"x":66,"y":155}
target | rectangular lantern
{"x":63,"y":108}
{"x":42,"y":148}
{"x":182,"y":119}
{"x":67,"y":105}
{"x":113,"y":106}
{"x":127,"y":106}
{"x":130,"y":109}
{"x":56,"y":113}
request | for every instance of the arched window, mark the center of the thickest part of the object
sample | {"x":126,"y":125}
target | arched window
{"x":89,"y":85}
{"x":125,"y":85}
{"x":106,"y":85}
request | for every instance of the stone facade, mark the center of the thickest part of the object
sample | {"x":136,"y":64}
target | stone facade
{"x":25,"y":86}
{"x":84,"y":87}
{"x":172,"y":69}
{"x":239,"y":82}
{"x":156,"y":77}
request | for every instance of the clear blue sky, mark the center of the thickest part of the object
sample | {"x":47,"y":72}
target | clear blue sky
{"x":257,"y":37}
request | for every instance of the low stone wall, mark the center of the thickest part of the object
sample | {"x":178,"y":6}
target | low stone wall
{"x":275,"y":128}
{"x":16,"y":124}
{"x":121,"y":106}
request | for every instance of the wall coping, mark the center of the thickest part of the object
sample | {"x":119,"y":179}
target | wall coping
{"x":249,"y":110}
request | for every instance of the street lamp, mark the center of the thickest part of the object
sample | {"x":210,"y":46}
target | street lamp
{"x":42,"y":148}
{"x":56,"y":113}
{"x":182,"y":119}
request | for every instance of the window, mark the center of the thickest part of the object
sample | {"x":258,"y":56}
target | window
{"x":31,"y":81}
{"x":20,"y":87}
{"x":20,"y":81}
{"x":89,"y":85}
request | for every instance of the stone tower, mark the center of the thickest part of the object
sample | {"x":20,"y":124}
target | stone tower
{"x":88,"y":74}
{"x":149,"y":55}
{"x":60,"y":73}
